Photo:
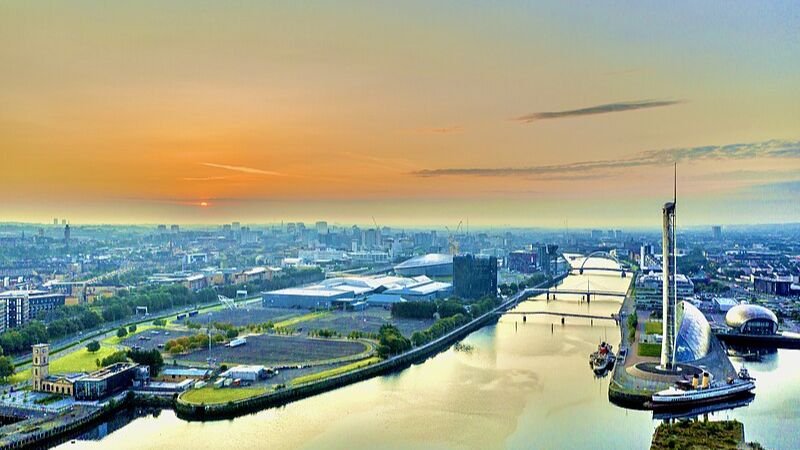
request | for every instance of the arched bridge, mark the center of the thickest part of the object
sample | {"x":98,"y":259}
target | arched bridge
{"x":605,"y":255}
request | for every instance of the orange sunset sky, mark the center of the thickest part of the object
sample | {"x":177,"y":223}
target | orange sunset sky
{"x":417,"y":113}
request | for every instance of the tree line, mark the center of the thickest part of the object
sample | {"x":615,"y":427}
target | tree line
{"x":536,"y":279}
{"x":70,"y":319}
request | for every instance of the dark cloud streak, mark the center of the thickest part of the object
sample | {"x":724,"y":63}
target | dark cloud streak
{"x":599,"y":109}
{"x":740,"y":151}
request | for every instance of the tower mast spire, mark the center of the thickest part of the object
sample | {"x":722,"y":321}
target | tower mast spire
{"x":675,"y":184}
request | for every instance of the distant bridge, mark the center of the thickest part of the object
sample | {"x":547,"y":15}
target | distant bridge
{"x":605,"y":255}
{"x":613,"y":317}
{"x":586,"y":293}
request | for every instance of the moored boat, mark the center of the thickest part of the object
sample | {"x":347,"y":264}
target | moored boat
{"x":602,"y":359}
{"x":705,"y":391}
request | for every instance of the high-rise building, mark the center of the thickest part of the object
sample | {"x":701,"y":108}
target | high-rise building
{"x":55,"y":220}
{"x":322,"y":227}
{"x":370,"y":239}
{"x":66,"y":234}
{"x":548,"y":256}
{"x":669,"y":294}
{"x":716,"y":230}
{"x":474,"y":276}
{"x":175,"y":228}
{"x":644,"y":251}
{"x":63,"y":221}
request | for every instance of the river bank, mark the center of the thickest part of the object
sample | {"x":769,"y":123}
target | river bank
{"x":192,"y":411}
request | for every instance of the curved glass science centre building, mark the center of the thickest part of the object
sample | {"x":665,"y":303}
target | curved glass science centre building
{"x":432,"y":265}
{"x":752,"y":319}
{"x":693,"y":339}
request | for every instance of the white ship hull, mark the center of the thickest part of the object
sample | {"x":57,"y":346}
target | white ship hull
{"x":676,"y":397}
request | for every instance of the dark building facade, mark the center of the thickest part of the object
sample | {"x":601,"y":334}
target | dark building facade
{"x":22,"y":306}
{"x":776,"y":285}
{"x":548,"y":257}
{"x":522,"y":261}
{"x":42,"y":303}
{"x":109,"y":380}
{"x":474,"y":276}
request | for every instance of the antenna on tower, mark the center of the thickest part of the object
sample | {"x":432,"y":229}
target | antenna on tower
{"x":675,"y":185}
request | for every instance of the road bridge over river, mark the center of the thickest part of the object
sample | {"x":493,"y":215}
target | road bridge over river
{"x":613,"y":317}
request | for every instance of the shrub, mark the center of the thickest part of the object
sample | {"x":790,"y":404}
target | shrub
{"x":93,"y":346}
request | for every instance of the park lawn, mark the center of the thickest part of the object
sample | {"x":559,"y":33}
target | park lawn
{"x":209,"y":394}
{"x":335,"y":371}
{"x":77,"y":361}
{"x":653,"y":327}
{"x":115,"y":340}
{"x":646,"y":349}
{"x":299,"y":319}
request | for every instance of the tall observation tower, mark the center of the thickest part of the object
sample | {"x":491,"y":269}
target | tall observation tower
{"x":669,"y":294}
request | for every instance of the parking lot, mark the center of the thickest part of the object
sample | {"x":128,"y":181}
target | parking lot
{"x":271,"y":350}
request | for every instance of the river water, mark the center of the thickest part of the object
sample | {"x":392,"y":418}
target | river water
{"x":523,"y":385}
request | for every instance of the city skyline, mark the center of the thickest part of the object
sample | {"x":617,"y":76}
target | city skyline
{"x":519,"y":116}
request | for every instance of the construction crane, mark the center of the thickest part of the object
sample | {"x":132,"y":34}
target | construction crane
{"x":451,"y":238}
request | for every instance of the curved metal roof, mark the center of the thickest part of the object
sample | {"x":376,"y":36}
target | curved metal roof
{"x":431,"y":259}
{"x":693,"y":339}
{"x":739,"y":314}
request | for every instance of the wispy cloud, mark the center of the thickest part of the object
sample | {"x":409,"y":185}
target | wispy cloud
{"x":598,"y":109}
{"x":741,"y":151}
{"x":212,"y":178}
{"x":448,"y":129}
{"x":244,"y":169}
{"x":443,"y":130}
{"x":388,"y":163}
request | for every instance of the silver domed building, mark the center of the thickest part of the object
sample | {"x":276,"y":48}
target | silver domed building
{"x":432,"y":265}
{"x":752,"y":319}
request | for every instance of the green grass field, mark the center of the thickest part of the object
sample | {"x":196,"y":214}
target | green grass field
{"x":81,"y":360}
{"x":77,"y":361}
{"x":696,"y":435}
{"x":335,"y":371}
{"x":649,"y":349}
{"x":114,"y":340}
{"x":653,"y":327}
{"x":210,"y":395}
{"x":299,"y":319}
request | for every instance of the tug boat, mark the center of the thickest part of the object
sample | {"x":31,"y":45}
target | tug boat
{"x":602,"y":359}
{"x":705,"y":391}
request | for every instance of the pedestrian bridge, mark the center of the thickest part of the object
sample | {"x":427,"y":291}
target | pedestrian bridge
{"x":601,"y":254}
{"x":613,"y":317}
{"x":554,"y":292}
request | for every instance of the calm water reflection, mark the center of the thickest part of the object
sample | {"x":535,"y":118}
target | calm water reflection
{"x":525,"y":385}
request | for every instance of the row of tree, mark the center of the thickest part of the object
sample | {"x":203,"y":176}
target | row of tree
{"x":188,"y":343}
{"x":536,"y":279}
{"x":71,"y":319}
{"x":391,"y":341}
{"x":150,"y":358}
{"x":439,"y":329}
